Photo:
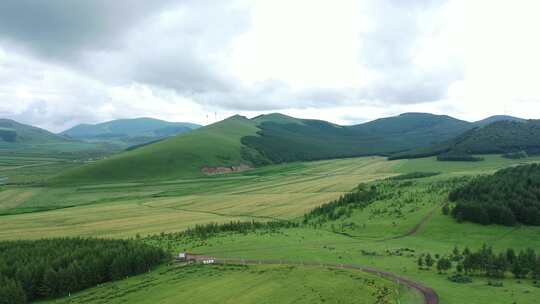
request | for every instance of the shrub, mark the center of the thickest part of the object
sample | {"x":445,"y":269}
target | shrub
{"x":460,"y":278}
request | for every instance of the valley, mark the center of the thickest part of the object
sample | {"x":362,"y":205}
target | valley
{"x":165,"y":196}
{"x":389,"y":234}
{"x":274,"y":152}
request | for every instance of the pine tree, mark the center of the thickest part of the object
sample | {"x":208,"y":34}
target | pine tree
{"x":429,"y":260}
{"x":510,"y":256}
{"x":443,"y":264}
{"x":456,"y":256}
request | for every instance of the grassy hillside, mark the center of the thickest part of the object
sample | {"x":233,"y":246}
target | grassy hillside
{"x":273,"y":138}
{"x":181,"y":156}
{"x":286,"y":140}
{"x":498,"y":137}
{"x":246,"y":284}
{"x":127,"y":132}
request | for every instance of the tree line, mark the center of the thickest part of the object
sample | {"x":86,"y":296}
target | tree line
{"x":486,"y":262}
{"x":516,"y":155}
{"x":47,"y":268}
{"x":458,"y":156}
{"x":209,"y":230}
{"x":508,"y":197}
{"x":359,"y":198}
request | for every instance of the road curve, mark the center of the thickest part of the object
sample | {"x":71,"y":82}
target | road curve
{"x":430,"y":296}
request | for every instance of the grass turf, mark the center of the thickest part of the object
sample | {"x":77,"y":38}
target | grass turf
{"x":246,"y":284}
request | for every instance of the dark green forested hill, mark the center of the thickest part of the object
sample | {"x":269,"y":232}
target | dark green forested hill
{"x":508,"y":197}
{"x":285,"y":140}
{"x":238,"y":143}
{"x":495,"y":118}
{"x":498,"y":137}
{"x":266,"y":139}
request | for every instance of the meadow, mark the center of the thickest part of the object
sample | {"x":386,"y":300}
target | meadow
{"x":128,"y":209}
{"x":247,"y":284}
{"x":389,"y":234}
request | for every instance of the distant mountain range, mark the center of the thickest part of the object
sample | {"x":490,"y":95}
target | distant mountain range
{"x":14,"y":132}
{"x":85,"y":139}
{"x":161,"y":149}
{"x":20,"y":138}
{"x":238,"y":142}
{"x":129,"y":132}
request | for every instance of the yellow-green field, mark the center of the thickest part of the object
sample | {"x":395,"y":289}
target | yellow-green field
{"x":120,"y":210}
{"x":126,"y":209}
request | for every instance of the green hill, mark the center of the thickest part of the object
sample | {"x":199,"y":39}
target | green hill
{"x":129,"y":132}
{"x":499,"y":137}
{"x":496,"y":118}
{"x":17,"y":138}
{"x":286,"y":140}
{"x":217,"y":145}
{"x":237,"y":142}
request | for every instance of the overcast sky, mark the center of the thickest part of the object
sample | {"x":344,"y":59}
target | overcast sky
{"x":65,"y":62}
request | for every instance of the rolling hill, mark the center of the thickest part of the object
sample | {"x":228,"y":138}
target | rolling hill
{"x":496,"y":118}
{"x":286,"y":140}
{"x":503,"y":136}
{"x":20,"y":138}
{"x":129,"y":132}
{"x":237,"y":142}
{"x":217,"y":145}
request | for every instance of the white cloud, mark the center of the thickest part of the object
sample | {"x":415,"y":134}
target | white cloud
{"x":345,"y":61}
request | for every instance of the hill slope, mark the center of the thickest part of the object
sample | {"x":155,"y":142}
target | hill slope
{"x":180,"y":156}
{"x":129,"y":132}
{"x":285,"y":140}
{"x":14,"y":132}
{"x":507,"y":197}
{"x":277,"y":138}
{"x":499,"y":137}
{"x":496,"y":118}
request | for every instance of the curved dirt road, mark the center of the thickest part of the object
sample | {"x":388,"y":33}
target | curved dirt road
{"x":430,"y":296}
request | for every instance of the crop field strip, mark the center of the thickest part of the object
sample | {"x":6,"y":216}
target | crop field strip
{"x":108,"y":210}
{"x":225,"y":199}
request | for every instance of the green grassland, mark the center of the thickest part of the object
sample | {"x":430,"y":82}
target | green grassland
{"x":381,"y":240}
{"x":379,"y":237}
{"x":284,"y":191}
{"x":246,"y":284}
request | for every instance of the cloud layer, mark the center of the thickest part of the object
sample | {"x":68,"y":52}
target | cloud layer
{"x":66,"y":62}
